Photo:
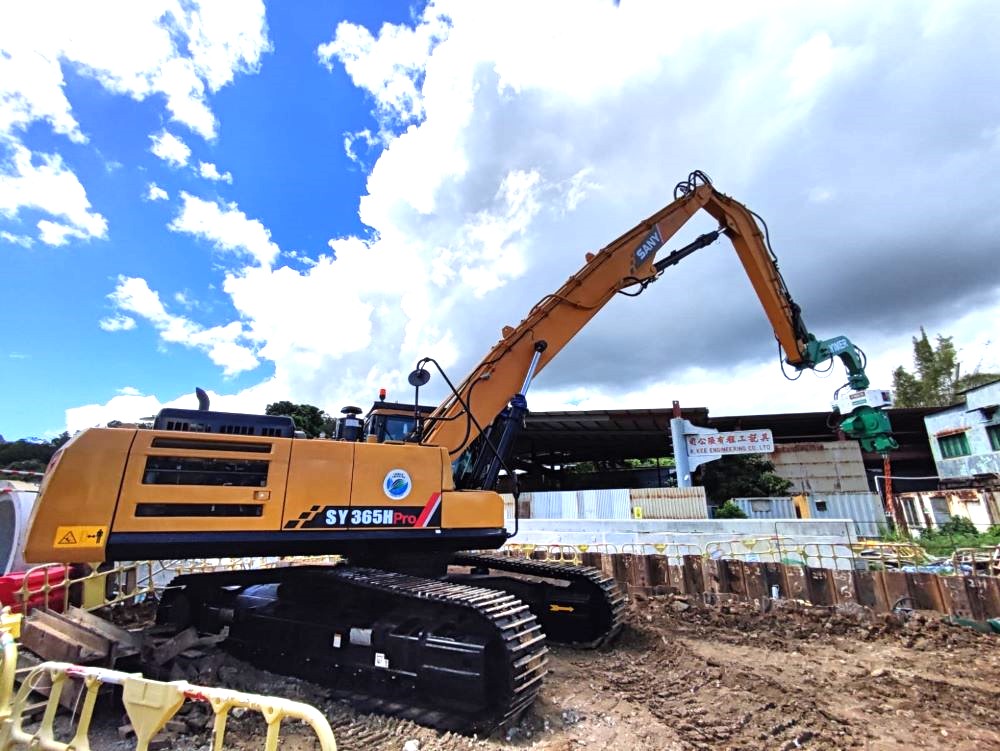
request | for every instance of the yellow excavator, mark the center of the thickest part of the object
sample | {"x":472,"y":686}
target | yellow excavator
{"x":414,"y":622}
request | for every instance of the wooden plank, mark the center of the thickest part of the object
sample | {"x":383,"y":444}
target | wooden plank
{"x":168,"y":650}
{"x":73,"y":632}
{"x":125,"y":639}
{"x":50,"y":644}
{"x":925,"y":591}
{"x":819,"y":585}
{"x":694,"y":578}
{"x":796,"y":578}
{"x":843,"y":585}
{"x":956,"y":597}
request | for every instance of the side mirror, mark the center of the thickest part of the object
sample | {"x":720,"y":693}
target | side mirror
{"x":418,"y":377}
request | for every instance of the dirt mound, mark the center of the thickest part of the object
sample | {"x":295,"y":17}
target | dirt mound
{"x":685,"y":676}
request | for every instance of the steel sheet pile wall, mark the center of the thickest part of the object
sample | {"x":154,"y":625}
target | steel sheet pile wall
{"x":970,"y":596}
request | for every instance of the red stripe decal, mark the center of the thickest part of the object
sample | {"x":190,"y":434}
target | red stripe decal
{"x":429,"y":510}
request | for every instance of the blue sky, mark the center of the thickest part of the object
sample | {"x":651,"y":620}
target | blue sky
{"x":344,"y":187}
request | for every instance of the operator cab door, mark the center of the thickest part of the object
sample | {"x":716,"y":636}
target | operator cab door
{"x":202,"y":482}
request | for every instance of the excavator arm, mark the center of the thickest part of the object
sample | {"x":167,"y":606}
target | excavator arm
{"x":627,"y":266}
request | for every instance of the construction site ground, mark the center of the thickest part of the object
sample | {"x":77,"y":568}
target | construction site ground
{"x":684,"y":675}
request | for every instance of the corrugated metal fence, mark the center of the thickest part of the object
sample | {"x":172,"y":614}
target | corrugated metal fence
{"x":864,"y":509}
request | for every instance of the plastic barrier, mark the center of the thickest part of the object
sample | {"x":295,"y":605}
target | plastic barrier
{"x":48,"y":586}
{"x":41,"y":586}
{"x":149,"y":705}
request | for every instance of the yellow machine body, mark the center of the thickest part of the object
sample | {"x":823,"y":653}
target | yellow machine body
{"x":116,"y":494}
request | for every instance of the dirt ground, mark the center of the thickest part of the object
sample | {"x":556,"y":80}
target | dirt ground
{"x":686,"y":676}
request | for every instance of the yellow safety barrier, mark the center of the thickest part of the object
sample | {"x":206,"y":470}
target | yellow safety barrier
{"x":563,"y":553}
{"x":818,"y":554}
{"x":10,"y":630}
{"x":106,"y":587}
{"x":890,"y":554}
{"x":149,"y":705}
{"x":772,"y":548}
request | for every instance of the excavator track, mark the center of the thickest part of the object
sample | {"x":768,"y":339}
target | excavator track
{"x":447,"y":655}
{"x":575,"y":605}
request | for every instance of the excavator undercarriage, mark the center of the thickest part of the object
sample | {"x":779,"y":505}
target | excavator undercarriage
{"x":463,"y":652}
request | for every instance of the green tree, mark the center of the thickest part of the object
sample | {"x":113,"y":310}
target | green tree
{"x":741,"y":476}
{"x":309,"y":419}
{"x":936,"y":380}
{"x":730,"y":510}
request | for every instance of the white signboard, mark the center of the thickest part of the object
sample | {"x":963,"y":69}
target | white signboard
{"x":736,"y":442}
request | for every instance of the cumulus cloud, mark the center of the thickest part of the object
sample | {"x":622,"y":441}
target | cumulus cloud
{"x":50,"y":187}
{"x":117,"y":322}
{"x":210,"y":172}
{"x":222,"y":344}
{"x":170,"y":148}
{"x":155,"y":193}
{"x":226,"y":227}
{"x":180,"y":51}
{"x":510,"y":149}
{"x":23,"y":240}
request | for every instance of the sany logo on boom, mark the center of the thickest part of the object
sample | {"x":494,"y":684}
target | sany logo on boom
{"x":651,"y":244}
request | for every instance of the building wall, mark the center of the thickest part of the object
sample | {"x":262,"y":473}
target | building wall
{"x":932,"y":508}
{"x":821,"y":468}
{"x":972,"y":419}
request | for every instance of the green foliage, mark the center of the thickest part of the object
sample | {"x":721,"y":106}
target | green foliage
{"x":958,"y":525}
{"x":29,"y":454}
{"x":742,"y":476}
{"x":730,"y":510}
{"x":309,"y":419}
{"x":936,"y":380}
{"x":956,"y":533}
{"x":617,"y":465}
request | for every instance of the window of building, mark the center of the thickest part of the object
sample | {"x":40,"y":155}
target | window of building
{"x":953,"y":446}
{"x":994,"y":433}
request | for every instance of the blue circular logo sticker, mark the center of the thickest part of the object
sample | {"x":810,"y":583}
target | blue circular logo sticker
{"x":396,"y":484}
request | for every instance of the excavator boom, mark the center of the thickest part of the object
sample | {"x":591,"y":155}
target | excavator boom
{"x":627,"y":263}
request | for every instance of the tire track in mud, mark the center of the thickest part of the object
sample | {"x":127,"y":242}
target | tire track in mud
{"x":714,"y":705}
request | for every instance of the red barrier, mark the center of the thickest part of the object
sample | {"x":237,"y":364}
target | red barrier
{"x":11,"y":585}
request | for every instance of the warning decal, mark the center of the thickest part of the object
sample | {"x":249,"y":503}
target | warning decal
{"x":80,"y":537}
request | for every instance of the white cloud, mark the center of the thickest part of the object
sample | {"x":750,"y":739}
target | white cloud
{"x":210,"y":172}
{"x":220,"y":343}
{"x":181,"y":51}
{"x":52,"y":188}
{"x":23,"y":240}
{"x":508,"y":150}
{"x":117,"y":322}
{"x":155,"y":193}
{"x":129,"y":391}
{"x":170,"y":148}
{"x":226,"y":227}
